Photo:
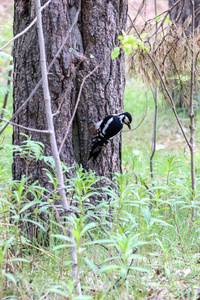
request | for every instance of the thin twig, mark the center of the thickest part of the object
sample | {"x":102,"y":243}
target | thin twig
{"x":25,"y":30}
{"x":145,"y":114}
{"x":24,"y":127}
{"x":181,"y":10}
{"x":78,"y":99}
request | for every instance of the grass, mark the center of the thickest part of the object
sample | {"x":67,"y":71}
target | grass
{"x":141,"y":245}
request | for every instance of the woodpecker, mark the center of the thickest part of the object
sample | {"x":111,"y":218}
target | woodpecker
{"x":106,"y":129}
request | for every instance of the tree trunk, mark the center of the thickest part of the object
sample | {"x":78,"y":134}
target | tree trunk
{"x":186,"y":11}
{"x":182,"y":13}
{"x":95,"y":35}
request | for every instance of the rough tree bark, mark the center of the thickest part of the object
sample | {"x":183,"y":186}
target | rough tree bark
{"x":95,"y":35}
{"x":186,"y":11}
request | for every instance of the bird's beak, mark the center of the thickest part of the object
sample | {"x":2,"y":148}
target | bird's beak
{"x":129,"y":126}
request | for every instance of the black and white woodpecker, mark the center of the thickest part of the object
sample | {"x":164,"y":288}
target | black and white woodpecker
{"x":106,"y":129}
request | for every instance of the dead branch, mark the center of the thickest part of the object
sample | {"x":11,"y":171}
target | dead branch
{"x":24,"y":127}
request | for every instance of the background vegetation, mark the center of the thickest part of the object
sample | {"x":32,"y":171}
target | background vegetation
{"x":142,"y":245}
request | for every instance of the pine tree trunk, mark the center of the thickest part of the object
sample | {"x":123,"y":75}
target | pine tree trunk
{"x":182,"y":13}
{"x":186,"y":11}
{"x":95,"y":35}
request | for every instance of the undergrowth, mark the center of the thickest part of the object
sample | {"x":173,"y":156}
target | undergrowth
{"x":139,"y":242}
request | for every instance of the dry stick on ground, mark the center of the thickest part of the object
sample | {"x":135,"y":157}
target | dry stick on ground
{"x":54,"y":147}
{"x":78,"y":100}
{"x":25,"y":30}
{"x":49,"y":68}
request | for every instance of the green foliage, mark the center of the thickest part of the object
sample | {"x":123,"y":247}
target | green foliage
{"x":129,"y":44}
{"x":29,"y":150}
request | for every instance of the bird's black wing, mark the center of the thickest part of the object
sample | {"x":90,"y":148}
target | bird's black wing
{"x":113,"y":129}
{"x":110,"y":127}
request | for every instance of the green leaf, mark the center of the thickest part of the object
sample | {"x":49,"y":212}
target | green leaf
{"x":91,"y":264}
{"x":124,"y":33}
{"x":63,"y":237}
{"x":123,"y":272}
{"x":76,"y":235}
{"x":139,"y":269}
{"x":87,"y":227}
{"x":18,"y":259}
{"x":28,"y":205}
{"x":34,"y":222}
{"x":11,"y":278}
{"x":161,"y":222}
{"x":115,"y":53}
{"x":157,"y":17}
{"x":167,"y":20}
{"x":127,"y":50}
{"x":143,"y":35}
{"x":108,"y":268}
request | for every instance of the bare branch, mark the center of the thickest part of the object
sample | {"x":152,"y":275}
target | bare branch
{"x":178,"y":17}
{"x":24,"y":127}
{"x":26,"y":29}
